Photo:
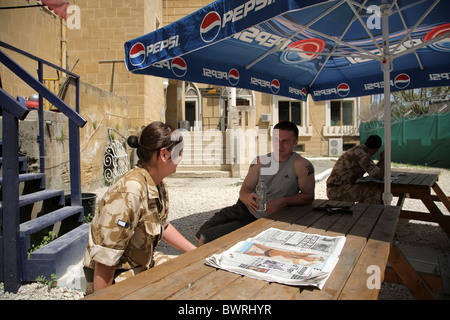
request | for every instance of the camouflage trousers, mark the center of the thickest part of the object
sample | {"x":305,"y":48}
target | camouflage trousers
{"x":121,"y":275}
{"x":360,"y":192}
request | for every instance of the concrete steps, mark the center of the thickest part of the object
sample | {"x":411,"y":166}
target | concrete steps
{"x":204,"y":156}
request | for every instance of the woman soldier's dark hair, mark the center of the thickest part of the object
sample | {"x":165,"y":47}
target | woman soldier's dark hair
{"x":153,"y":138}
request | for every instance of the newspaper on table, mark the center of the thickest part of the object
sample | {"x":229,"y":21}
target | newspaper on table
{"x":394,"y":177}
{"x":288,"y":257}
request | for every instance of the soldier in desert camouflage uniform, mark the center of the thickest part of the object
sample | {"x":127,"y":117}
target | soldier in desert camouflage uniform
{"x":352,"y":165}
{"x":133,"y":215}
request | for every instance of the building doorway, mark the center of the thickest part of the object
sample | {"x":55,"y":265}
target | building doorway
{"x":192,"y":107}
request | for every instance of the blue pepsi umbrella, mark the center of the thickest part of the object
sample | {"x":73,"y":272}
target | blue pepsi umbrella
{"x":328,"y":49}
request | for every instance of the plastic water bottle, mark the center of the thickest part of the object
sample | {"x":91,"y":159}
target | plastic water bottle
{"x":261,"y":191}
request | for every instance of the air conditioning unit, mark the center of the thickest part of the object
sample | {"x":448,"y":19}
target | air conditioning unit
{"x":265,"y":117}
{"x":335,"y":147}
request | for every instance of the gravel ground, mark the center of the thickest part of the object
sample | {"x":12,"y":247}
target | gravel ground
{"x":194,"y":200}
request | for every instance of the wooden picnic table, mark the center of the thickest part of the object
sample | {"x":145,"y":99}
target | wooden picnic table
{"x":369,"y":232}
{"x":418,"y":185}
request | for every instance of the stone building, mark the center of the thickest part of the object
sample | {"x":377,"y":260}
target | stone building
{"x":117,"y":103}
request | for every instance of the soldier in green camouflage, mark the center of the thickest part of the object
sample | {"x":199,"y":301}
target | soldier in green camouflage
{"x":352,"y":165}
{"x":133,"y":215}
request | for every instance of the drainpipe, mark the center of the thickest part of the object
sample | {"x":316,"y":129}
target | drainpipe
{"x":64,"y":45}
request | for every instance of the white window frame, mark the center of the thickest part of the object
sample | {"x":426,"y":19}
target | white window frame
{"x":305,"y":128}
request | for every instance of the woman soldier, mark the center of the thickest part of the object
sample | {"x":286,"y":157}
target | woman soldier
{"x":132,"y":215}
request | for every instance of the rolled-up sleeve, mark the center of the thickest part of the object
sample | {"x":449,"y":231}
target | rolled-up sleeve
{"x":128,"y":224}
{"x":367,"y":164}
{"x":106,"y":256}
{"x":114,"y":227}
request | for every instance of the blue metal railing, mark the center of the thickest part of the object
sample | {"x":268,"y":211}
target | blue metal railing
{"x":12,"y":110}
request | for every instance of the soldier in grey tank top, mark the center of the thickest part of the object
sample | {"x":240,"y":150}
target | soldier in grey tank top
{"x":290,"y":183}
{"x":281,"y":184}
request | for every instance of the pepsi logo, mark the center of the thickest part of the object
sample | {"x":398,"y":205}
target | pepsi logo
{"x":442,"y":45}
{"x":302,"y":93}
{"x":210,"y":26}
{"x":343,"y":89}
{"x":303,"y":50}
{"x":233,"y":77}
{"x":275,"y":86}
{"x":137,"y":54}
{"x":307,"y":49}
{"x":179,"y":67}
{"x":402,"y":81}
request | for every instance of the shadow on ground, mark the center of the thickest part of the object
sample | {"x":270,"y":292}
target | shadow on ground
{"x":187,"y":226}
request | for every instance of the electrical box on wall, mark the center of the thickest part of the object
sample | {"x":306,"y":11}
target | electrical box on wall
{"x":265,"y":117}
{"x":335,"y":147}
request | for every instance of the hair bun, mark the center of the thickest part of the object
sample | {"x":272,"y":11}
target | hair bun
{"x":133,"y":141}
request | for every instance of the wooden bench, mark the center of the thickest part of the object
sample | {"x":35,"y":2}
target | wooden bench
{"x":418,"y":185}
{"x":444,"y":267}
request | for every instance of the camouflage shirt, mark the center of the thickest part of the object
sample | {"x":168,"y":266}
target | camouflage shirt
{"x":351,"y":166}
{"x":129,"y":223}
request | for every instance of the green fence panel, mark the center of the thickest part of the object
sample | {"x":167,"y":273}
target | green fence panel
{"x":421,"y":141}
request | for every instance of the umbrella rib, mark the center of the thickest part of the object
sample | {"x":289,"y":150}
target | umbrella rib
{"x":22,"y":7}
{"x":409,"y":36}
{"x":423,"y":44}
{"x":394,"y":3}
{"x":409,"y":6}
{"x":334,"y":53}
{"x":366,"y":53}
{"x":345,"y":44}
{"x":278,"y":46}
{"x":335,"y":48}
{"x":417,"y":23}
{"x":358,"y":16}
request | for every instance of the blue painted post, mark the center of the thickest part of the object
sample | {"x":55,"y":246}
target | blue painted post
{"x":12,"y":271}
{"x":74,"y":153}
{"x":41,"y":122}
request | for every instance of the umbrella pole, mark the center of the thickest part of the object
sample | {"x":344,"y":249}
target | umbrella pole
{"x":387,"y":195}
